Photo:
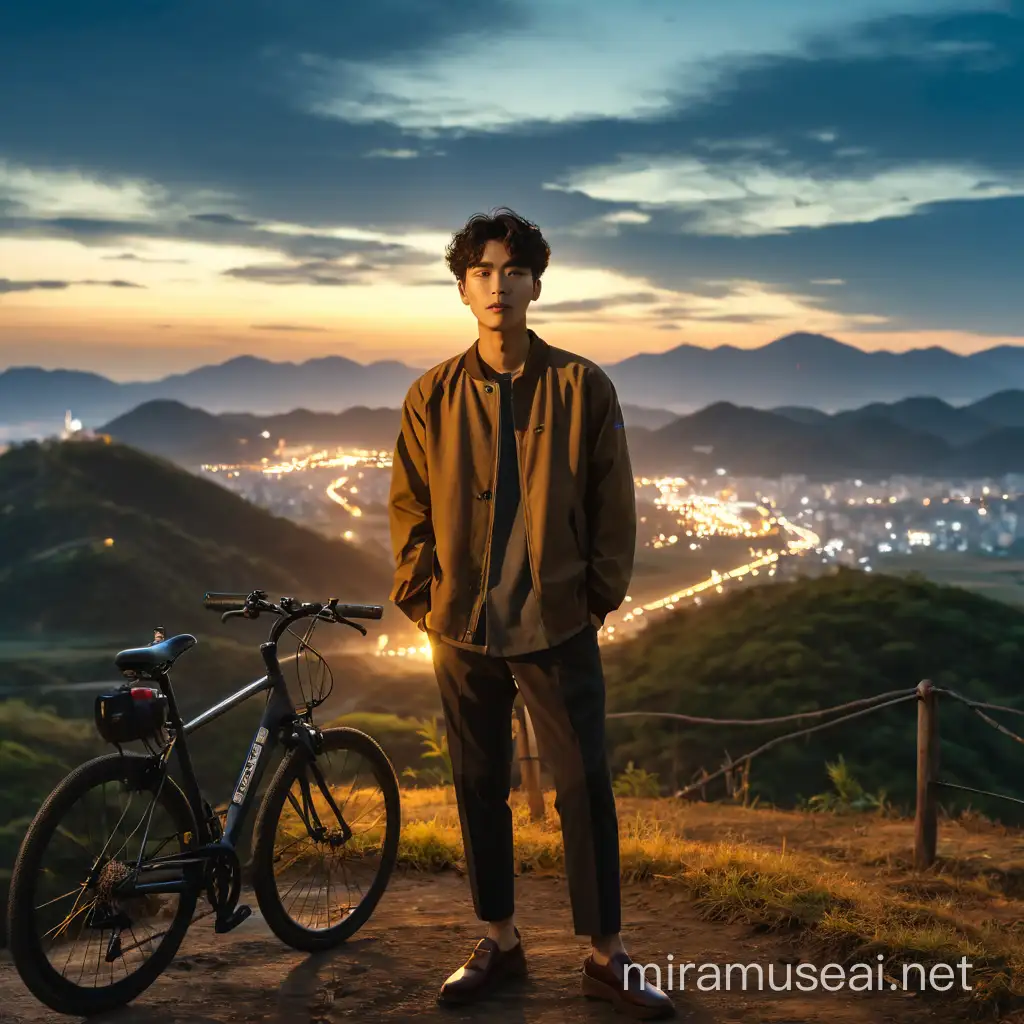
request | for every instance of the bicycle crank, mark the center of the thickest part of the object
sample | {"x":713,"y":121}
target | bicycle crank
{"x":223,"y":887}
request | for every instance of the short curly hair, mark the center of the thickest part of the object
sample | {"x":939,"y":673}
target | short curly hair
{"x":523,"y":240}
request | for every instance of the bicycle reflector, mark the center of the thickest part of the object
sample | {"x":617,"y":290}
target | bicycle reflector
{"x":130,"y":713}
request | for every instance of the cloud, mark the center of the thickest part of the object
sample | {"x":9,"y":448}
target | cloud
{"x":556,"y":68}
{"x":7,"y":286}
{"x":737,"y":318}
{"x":225,"y":219}
{"x":745,"y":198}
{"x":304,"y":328}
{"x":295,"y":241}
{"x":595,"y":304}
{"x":393,"y":154}
{"x":135,"y":258}
{"x":112,"y":284}
{"x":67,"y":193}
{"x":627,"y":217}
{"x":335,"y":273}
{"x":319,"y":272}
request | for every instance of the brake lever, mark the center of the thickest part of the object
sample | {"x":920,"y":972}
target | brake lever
{"x":348,"y":622}
{"x":232,"y":614}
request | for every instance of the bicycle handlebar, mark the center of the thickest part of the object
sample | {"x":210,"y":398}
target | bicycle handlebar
{"x":224,"y":602}
{"x":252,"y":604}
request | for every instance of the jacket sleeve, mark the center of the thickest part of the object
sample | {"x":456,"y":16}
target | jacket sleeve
{"x":409,"y":518}
{"x":611,"y":499}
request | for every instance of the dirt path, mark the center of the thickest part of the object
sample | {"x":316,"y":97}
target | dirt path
{"x":424,"y":928}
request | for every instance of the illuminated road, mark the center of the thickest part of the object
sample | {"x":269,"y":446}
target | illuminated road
{"x":715,"y":517}
{"x":333,"y":492}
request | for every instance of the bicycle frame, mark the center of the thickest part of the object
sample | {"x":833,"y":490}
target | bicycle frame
{"x":280,"y":723}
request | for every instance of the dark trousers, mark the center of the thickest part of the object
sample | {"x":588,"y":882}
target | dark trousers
{"x":564,"y":691}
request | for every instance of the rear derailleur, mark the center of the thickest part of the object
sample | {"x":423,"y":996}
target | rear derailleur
{"x":104,"y":916}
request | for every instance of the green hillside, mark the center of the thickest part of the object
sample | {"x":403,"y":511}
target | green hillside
{"x":816,"y":643}
{"x":97,"y":536}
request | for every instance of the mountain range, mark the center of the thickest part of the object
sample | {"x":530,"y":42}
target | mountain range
{"x":916,"y":436}
{"x":796,"y":370}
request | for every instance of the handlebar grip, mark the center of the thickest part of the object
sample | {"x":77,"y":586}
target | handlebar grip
{"x":224,"y":602}
{"x":359,"y":611}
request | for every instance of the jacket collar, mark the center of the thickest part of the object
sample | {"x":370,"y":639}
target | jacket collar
{"x":536,"y":360}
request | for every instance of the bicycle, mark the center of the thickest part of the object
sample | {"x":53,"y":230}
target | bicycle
{"x":127,"y":891}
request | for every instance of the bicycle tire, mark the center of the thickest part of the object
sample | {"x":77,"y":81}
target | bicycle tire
{"x":26,"y":950}
{"x":264,"y":831}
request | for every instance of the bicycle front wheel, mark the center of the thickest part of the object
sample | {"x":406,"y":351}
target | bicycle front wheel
{"x":326,"y":840}
{"x":79,"y":946}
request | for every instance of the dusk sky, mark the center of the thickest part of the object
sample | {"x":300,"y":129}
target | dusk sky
{"x":184,"y":181}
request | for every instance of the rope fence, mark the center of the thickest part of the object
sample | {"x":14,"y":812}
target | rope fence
{"x":925,"y":694}
{"x":816,"y":713}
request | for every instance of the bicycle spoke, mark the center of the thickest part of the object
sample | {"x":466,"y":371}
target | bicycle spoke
{"x":57,"y":899}
{"x":318,"y":873}
{"x":79,"y":925}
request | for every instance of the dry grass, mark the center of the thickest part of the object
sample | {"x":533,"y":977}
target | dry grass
{"x":843,"y":883}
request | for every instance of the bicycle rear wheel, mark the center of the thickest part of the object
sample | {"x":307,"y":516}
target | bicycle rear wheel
{"x":304,"y":863}
{"x":78,"y":947}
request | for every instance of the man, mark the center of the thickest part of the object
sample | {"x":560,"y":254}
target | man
{"x":513,"y":524}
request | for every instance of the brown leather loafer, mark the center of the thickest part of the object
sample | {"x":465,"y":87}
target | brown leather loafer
{"x":487,"y":968}
{"x":629,"y":992}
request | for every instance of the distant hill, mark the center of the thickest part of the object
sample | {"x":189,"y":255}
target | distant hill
{"x":796,"y":370}
{"x":186,"y":434}
{"x":358,"y":425}
{"x":193,"y":436}
{"x":933,"y":416}
{"x":753,"y":442}
{"x":1005,"y":408}
{"x":915,"y":436}
{"x":648,"y":419}
{"x":801,"y":413}
{"x":174,"y":536}
{"x":742,"y":440}
{"x":999,"y":452}
{"x":814,"y":643}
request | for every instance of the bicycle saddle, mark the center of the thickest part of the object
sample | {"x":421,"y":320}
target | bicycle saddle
{"x":154,"y":659}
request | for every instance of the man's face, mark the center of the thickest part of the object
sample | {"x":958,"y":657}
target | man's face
{"x":497,"y":292}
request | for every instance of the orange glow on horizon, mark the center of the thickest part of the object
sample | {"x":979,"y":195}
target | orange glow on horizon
{"x":124,"y":345}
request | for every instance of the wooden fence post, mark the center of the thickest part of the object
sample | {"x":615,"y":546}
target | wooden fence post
{"x":926,"y":822}
{"x":529,"y":763}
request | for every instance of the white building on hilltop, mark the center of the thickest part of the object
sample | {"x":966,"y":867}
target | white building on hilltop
{"x":73,"y":430}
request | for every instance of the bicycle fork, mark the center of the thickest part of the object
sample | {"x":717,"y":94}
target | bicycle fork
{"x":307,"y":814}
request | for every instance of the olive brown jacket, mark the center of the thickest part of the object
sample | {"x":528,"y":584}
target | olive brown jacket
{"x":576,"y":481}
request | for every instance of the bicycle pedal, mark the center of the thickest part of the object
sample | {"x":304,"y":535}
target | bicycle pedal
{"x":233,"y":920}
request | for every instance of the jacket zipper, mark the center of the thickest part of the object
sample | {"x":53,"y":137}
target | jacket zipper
{"x":485,"y":574}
